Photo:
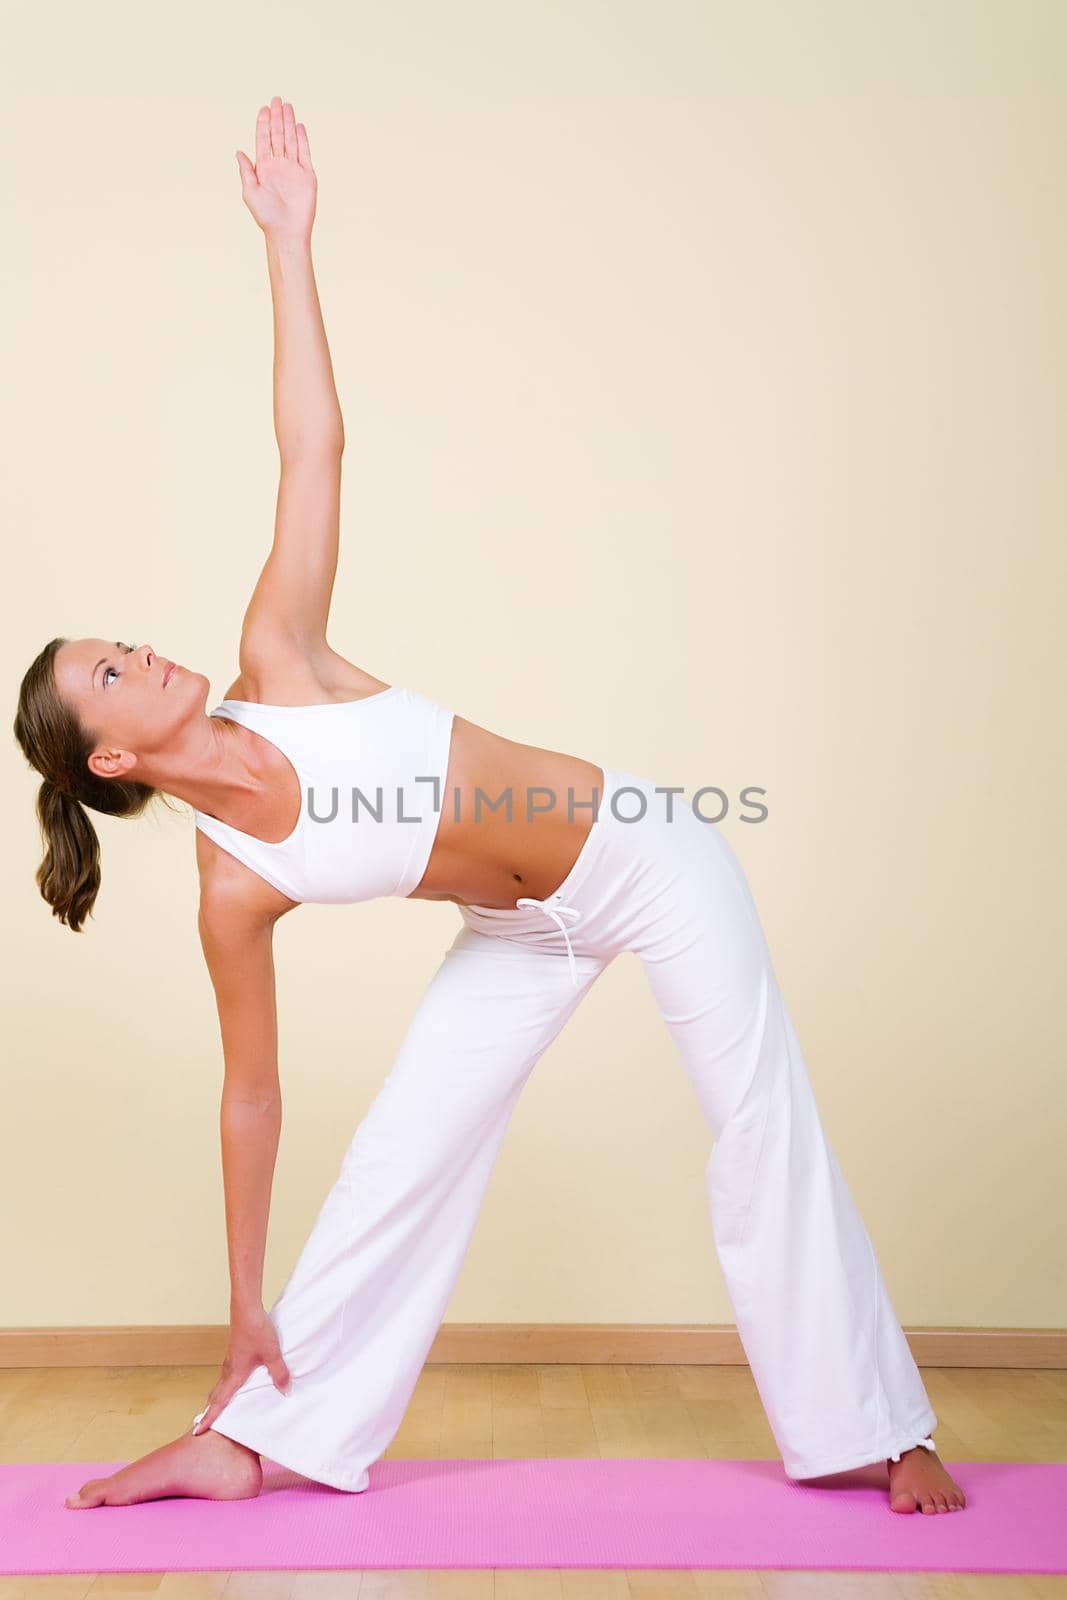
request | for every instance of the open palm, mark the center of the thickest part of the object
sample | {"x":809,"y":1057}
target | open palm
{"x":280,"y":189}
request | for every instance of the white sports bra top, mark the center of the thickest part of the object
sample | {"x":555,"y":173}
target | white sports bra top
{"x":372,"y":776}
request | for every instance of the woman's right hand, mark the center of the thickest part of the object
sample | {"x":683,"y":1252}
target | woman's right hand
{"x":253,"y":1343}
{"x":280,"y":189}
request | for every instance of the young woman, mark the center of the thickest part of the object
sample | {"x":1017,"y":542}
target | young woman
{"x":557,"y":864}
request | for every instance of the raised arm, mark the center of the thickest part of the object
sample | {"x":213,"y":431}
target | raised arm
{"x":291,"y":602}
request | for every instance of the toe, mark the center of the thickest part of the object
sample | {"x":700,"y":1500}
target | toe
{"x":90,"y":1494}
{"x":903,"y":1501}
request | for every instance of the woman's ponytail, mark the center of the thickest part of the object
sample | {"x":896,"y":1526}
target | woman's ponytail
{"x":58,"y":747}
{"x":69,"y":875}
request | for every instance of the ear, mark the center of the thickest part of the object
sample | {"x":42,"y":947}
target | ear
{"x":104,"y":763}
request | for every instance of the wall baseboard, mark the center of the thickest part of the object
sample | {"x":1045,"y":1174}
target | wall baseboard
{"x":582,"y":1343}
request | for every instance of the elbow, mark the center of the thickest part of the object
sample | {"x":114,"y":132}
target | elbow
{"x":317,"y":444}
{"x":241,"y":1106}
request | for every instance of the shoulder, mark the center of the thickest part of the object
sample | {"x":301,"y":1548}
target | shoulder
{"x":236,"y":926}
{"x":276,"y":669}
{"x":234,"y":900}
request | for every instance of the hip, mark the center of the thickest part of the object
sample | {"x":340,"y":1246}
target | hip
{"x":649,"y":867}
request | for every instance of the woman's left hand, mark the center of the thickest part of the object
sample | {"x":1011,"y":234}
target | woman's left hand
{"x":280,"y":189}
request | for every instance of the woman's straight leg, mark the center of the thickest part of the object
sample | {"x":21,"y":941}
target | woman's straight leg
{"x":360,"y":1309}
{"x":829,"y":1358}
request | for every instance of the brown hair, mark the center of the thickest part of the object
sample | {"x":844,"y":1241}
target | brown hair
{"x":57,"y":746}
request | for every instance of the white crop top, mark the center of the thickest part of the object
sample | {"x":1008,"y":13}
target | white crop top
{"x":372,"y":777}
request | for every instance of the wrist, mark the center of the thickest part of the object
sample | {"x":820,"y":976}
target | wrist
{"x":288,"y":244}
{"x":245,"y":1305}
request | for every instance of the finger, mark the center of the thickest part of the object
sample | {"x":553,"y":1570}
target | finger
{"x":289,"y":130}
{"x":247,"y":170}
{"x":303,"y":148}
{"x":219,"y":1397}
{"x":280,"y":1373}
{"x":277,"y":135}
{"x":216,"y":1403}
{"x":262,"y":135}
{"x":205,"y":1419}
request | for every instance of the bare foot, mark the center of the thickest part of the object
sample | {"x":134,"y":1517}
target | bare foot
{"x":919,"y":1482}
{"x":206,"y":1465}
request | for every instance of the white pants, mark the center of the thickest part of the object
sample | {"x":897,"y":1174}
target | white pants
{"x":358,"y":1314}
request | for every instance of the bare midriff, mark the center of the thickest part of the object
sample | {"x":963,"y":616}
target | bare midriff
{"x":482,"y":858}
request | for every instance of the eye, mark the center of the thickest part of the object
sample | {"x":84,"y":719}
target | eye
{"x":129,"y":649}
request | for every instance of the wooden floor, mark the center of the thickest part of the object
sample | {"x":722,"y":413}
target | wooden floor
{"x":118,"y":1413}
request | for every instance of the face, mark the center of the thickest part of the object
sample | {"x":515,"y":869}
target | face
{"x":135,"y":700}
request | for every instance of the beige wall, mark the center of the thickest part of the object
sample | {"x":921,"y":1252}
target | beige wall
{"x":701,"y":366}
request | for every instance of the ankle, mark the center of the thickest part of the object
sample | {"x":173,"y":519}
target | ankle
{"x":912,"y":1450}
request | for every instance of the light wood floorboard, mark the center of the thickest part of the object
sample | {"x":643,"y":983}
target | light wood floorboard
{"x":117,"y":1413}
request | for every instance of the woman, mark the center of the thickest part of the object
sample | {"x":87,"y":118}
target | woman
{"x":548,"y":893}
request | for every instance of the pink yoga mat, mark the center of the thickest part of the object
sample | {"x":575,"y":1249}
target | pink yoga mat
{"x":533,"y":1513}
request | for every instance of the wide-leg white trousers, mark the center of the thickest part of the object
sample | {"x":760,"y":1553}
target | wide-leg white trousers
{"x":358,"y":1314}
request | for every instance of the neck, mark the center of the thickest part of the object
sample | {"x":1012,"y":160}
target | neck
{"x":216,"y":769}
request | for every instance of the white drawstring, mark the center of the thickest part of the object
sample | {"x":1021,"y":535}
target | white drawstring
{"x":557,"y":913}
{"x":927,"y":1444}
